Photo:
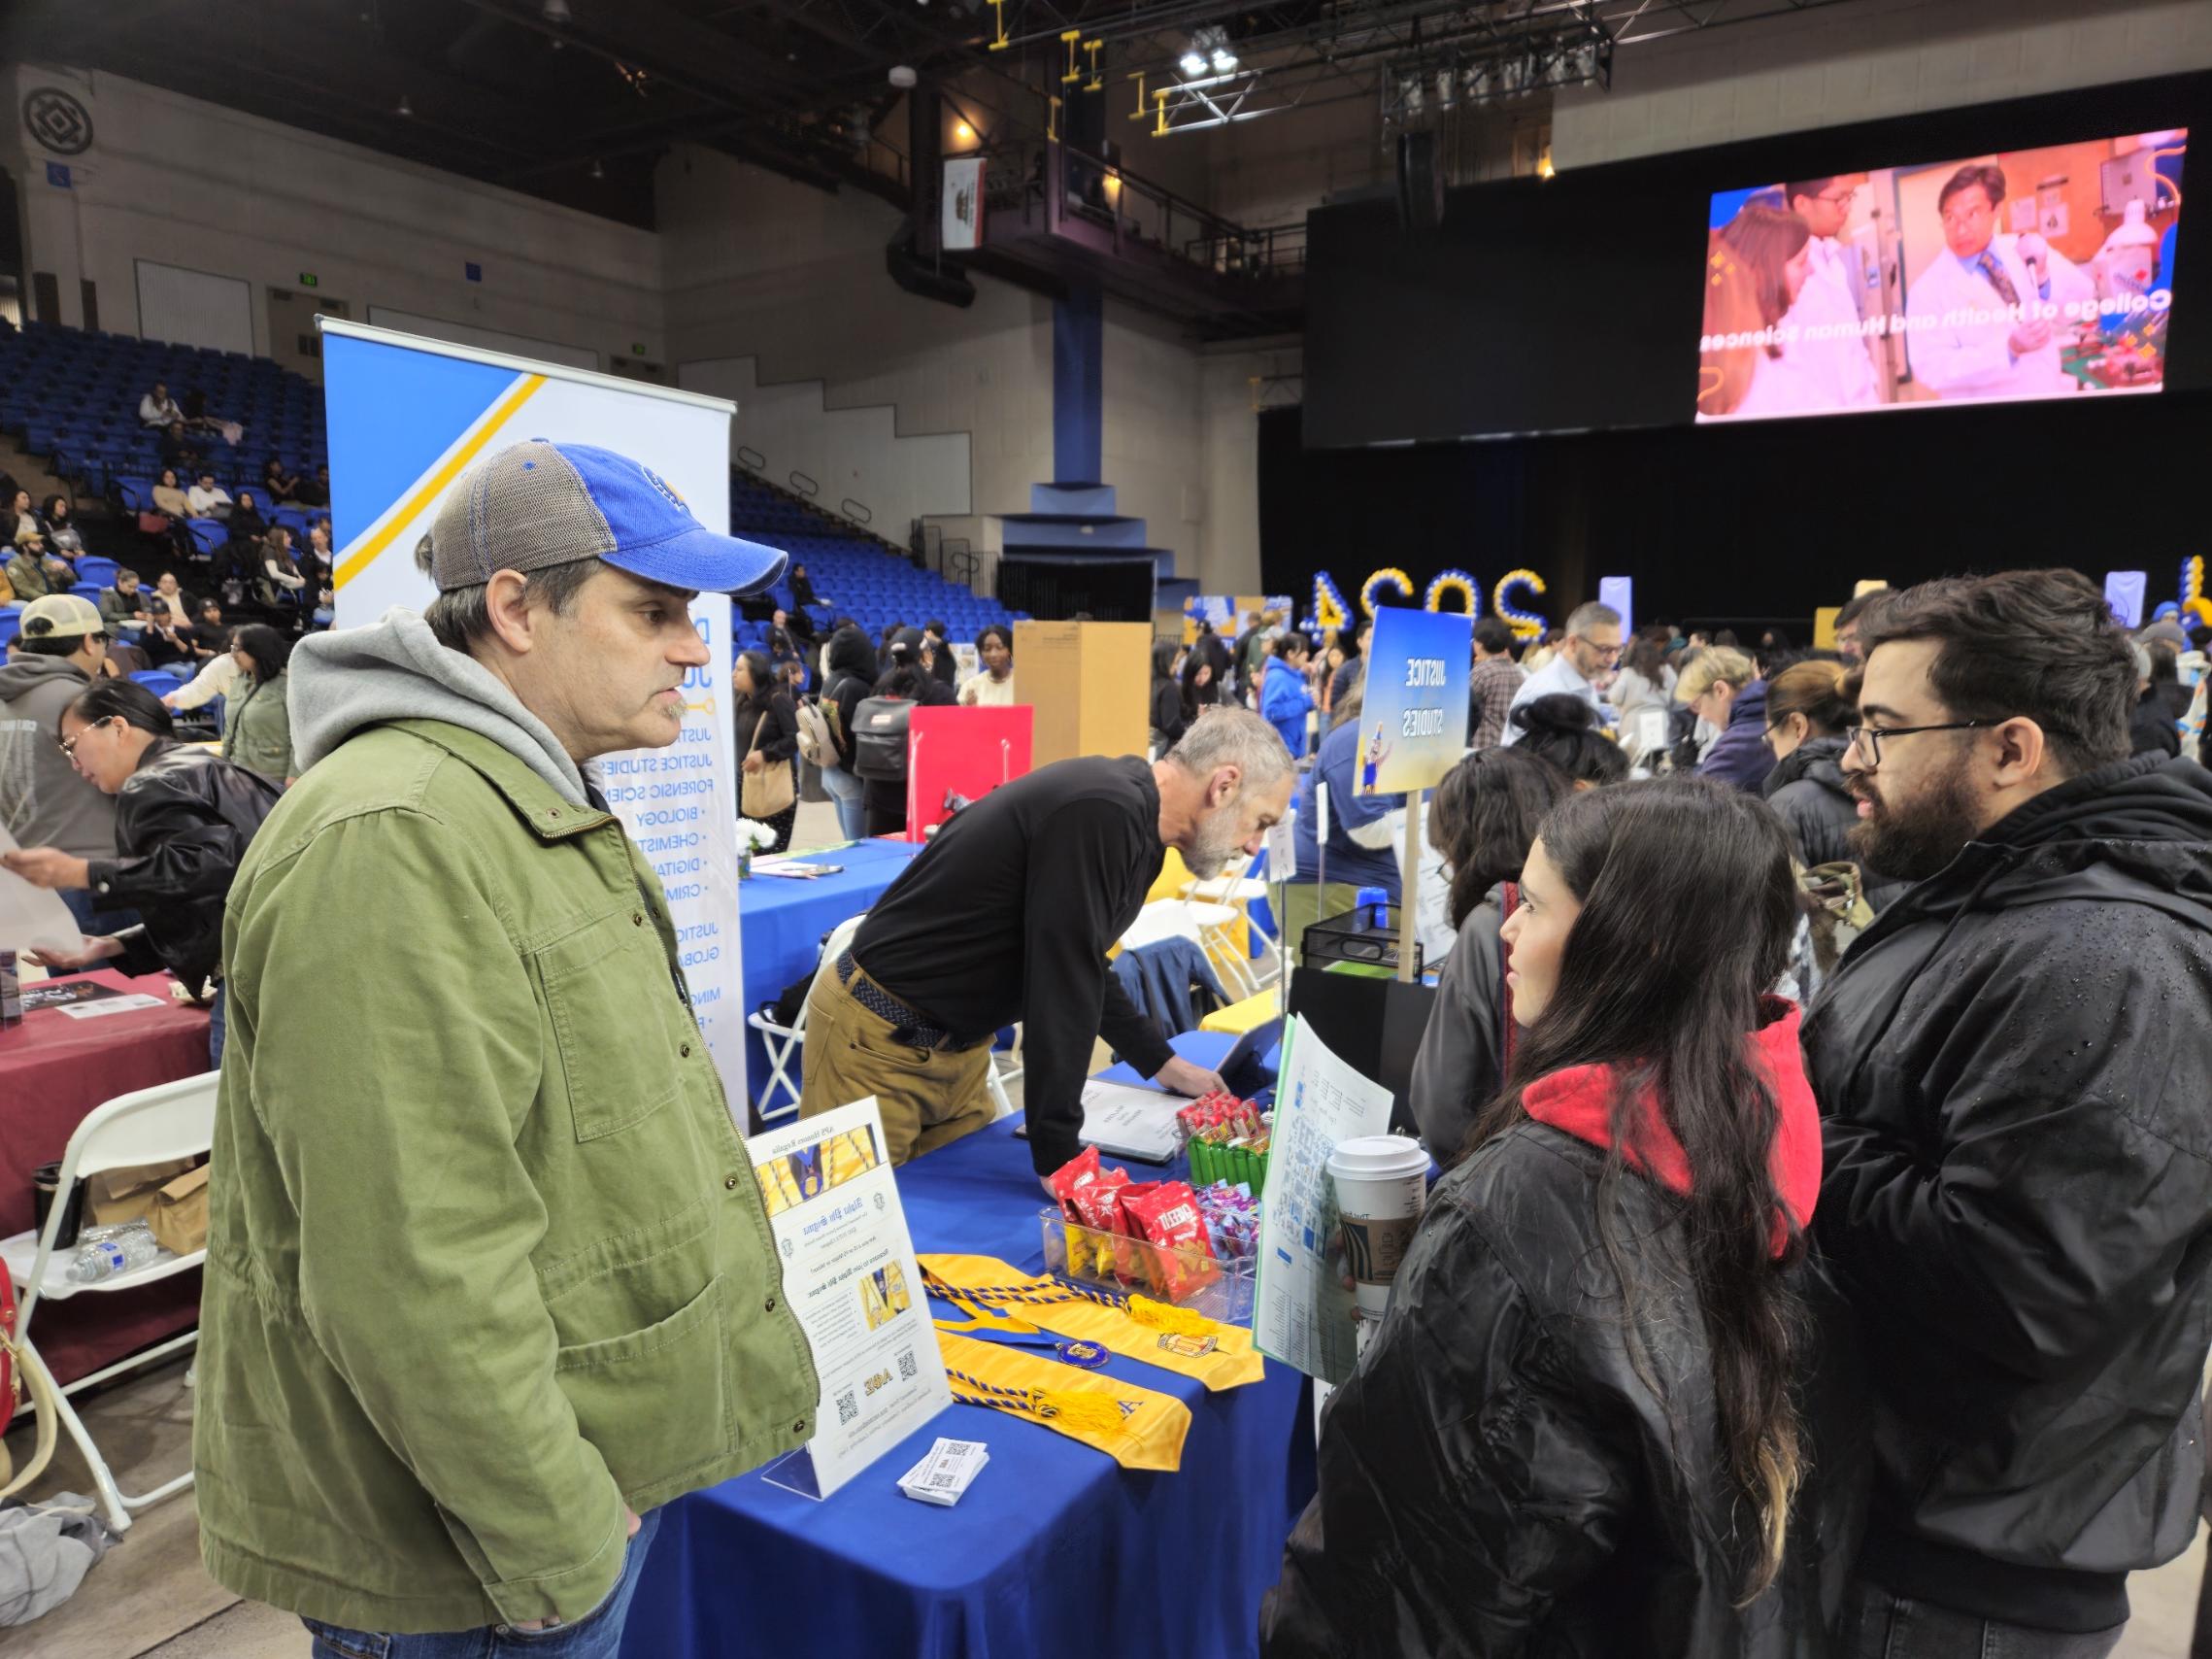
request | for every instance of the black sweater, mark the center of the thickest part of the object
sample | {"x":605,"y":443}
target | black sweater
{"x":1008,"y":915}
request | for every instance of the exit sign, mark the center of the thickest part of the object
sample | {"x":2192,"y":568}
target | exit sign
{"x":309,"y":279}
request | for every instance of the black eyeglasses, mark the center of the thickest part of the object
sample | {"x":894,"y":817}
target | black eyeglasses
{"x":1867,"y":739}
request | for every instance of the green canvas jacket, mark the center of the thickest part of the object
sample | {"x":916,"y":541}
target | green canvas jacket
{"x":487,"y":1259}
{"x":257,"y":728}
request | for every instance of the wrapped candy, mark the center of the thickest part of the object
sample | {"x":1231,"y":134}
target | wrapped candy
{"x":1231,"y":1217}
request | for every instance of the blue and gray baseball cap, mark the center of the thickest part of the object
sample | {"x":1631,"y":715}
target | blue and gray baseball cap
{"x":537,"y":504}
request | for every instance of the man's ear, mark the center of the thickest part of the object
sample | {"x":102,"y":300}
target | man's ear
{"x":514,"y":620}
{"x":2022,"y":750}
{"x":1221,"y":788}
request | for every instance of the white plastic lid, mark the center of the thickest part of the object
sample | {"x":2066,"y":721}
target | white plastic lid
{"x":1378,"y":1156}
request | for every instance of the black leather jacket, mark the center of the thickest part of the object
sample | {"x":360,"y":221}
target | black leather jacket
{"x":1497,"y":1479}
{"x":182,"y":821}
{"x":2012,"y":1070}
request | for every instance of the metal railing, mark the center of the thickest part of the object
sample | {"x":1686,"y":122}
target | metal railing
{"x":804,"y":485}
{"x":857,"y":511}
{"x":752,"y":460}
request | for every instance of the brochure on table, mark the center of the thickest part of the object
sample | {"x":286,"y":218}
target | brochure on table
{"x":849,"y":1275}
{"x":1302,"y":1313}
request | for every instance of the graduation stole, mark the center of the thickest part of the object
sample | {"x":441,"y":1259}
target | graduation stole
{"x":998,"y":1297}
{"x":1136,"y":1426}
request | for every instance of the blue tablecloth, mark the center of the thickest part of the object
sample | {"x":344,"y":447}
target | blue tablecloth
{"x":1056,"y":1549}
{"x":781,"y":923}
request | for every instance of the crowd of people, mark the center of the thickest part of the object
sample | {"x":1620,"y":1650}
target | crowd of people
{"x":1819,"y":1260}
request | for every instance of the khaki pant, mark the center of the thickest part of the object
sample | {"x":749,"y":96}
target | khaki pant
{"x":928,"y":1097}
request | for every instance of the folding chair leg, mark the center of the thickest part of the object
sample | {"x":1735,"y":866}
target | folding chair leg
{"x":115,"y":1502}
{"x":1001,"y":1105}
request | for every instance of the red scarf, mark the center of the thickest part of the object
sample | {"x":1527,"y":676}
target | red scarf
{"x":1578,"y":1101}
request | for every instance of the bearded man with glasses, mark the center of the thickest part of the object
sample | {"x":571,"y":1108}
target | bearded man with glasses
{"x":2013,"y":1073}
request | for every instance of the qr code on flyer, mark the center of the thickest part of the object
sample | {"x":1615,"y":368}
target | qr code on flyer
{"x":906,"y":1364}
{"x":848,"y":1407}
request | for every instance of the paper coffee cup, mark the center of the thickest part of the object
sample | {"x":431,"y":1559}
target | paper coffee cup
{"x":1382,"y":1185}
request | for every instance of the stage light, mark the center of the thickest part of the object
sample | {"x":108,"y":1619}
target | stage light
{"x":405,"y":108}
{"x":1544,"y":167}
{"x":558,"y":13}
{"x":1224,"y":60}
{"x":965,"y":133}
{"x":1194,"y":62}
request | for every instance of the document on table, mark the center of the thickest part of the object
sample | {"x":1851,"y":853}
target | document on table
{"x":1302,"y":1312}
{"x":130,"y":1005}
{"x":1123,"y":1121}
{"x":33,"y":917}
{"x":849,"y":1275}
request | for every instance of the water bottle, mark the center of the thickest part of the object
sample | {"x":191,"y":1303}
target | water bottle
{"x":122,"y":1251}
{"x":1376,"y":901}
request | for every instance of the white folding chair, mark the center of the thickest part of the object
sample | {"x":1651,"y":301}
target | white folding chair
{"x":786,"y":1044}
{"x":1215,"y":906}
{"x":152,"y":1126}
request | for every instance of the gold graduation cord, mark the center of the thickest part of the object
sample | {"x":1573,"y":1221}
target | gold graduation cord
{"x":1142,"y":1330}
{"x":1136,"y":1426}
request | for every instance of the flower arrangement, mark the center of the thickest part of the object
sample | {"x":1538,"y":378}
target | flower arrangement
{"x":753,"y":836}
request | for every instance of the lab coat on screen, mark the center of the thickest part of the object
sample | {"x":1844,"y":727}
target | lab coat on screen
{"x":1969,"y":361}
{"x":1839,"y":366}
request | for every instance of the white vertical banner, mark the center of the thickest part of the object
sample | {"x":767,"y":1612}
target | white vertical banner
{"x":407,"y":417}
{"x":960,"y":227}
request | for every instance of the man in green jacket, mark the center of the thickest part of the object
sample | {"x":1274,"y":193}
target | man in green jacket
{"x":489,"y":1275}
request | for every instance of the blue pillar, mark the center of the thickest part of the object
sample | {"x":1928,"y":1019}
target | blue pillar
{"x":1078,"y":355}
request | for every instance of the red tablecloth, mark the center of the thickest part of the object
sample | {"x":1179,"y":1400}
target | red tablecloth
{"x":54,"y":1070}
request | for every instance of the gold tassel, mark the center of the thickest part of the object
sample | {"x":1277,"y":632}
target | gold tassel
{"x":1092,"y":1414}
{"x":1166,"y":1316}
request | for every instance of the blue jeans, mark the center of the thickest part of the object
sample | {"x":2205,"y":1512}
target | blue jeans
{"x":597,"y":1635}
{"x":1879,"y":1625}
{"x":215,"y":1030}
{"x":93,"y":920}
{"x":844,"y":794}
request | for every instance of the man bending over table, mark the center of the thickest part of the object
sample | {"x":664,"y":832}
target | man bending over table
{"x":1008,"y":915}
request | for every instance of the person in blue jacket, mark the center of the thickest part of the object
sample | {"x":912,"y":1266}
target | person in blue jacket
{"x":1723,"y":688}
{"x":1286,"y":697}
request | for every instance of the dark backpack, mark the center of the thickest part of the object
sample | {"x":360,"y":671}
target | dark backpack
{"x":879,"y":738}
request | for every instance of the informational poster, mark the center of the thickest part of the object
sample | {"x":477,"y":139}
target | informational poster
{"x":407,"y":417}
{"x":850,"y":1276}
{"x":1414,"y":727}
{"x":1620,"y":592}
{"x":1302,"y":1313}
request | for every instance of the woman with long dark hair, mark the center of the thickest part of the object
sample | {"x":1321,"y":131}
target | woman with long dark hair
{"x":766,"y":728}
{"x":257,"y":728}
{"x":1482,"y":819}
{"x":183,"y":819}
{"x":1580,"y":1427}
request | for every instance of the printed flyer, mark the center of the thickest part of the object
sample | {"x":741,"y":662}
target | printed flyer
{"x":849,"y":1275}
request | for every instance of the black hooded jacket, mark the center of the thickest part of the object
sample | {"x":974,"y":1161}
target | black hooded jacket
{"x":852,"y":678}
{"x":1807,"y":792}
{"x":2014,"y":1074}
{"x":1498,"y":1478}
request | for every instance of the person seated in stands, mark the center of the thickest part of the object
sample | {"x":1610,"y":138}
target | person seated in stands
{"x":802,"y":589}
{"x":277,"y":481}
{"x":211,"y":635}
{"x":208,"y":499}
{"x":782,"y":647}
{"x":320,"y":566}
{"x":168,"y":635}
{"x":33,"y":571}
{"x":171,"y":509}
{"x":313,"y":492}
{"x":60,"y":527}
{"x":159,"y":409}
{"x":280,"y":573}
{"x":179,"y":451}
{"x":245,"y":518}
{"x":122,"y":608}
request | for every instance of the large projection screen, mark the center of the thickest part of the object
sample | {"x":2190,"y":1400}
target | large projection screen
{"x":2025,"y":274}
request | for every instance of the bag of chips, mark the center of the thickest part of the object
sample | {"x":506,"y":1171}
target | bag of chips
{"x":1167,"y":1217}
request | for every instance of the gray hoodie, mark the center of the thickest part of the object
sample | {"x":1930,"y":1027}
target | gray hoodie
{"x":396,"y":670}
{"x":43,"y":801}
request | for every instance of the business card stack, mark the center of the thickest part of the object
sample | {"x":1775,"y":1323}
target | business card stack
{"x":946,"y":1473}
